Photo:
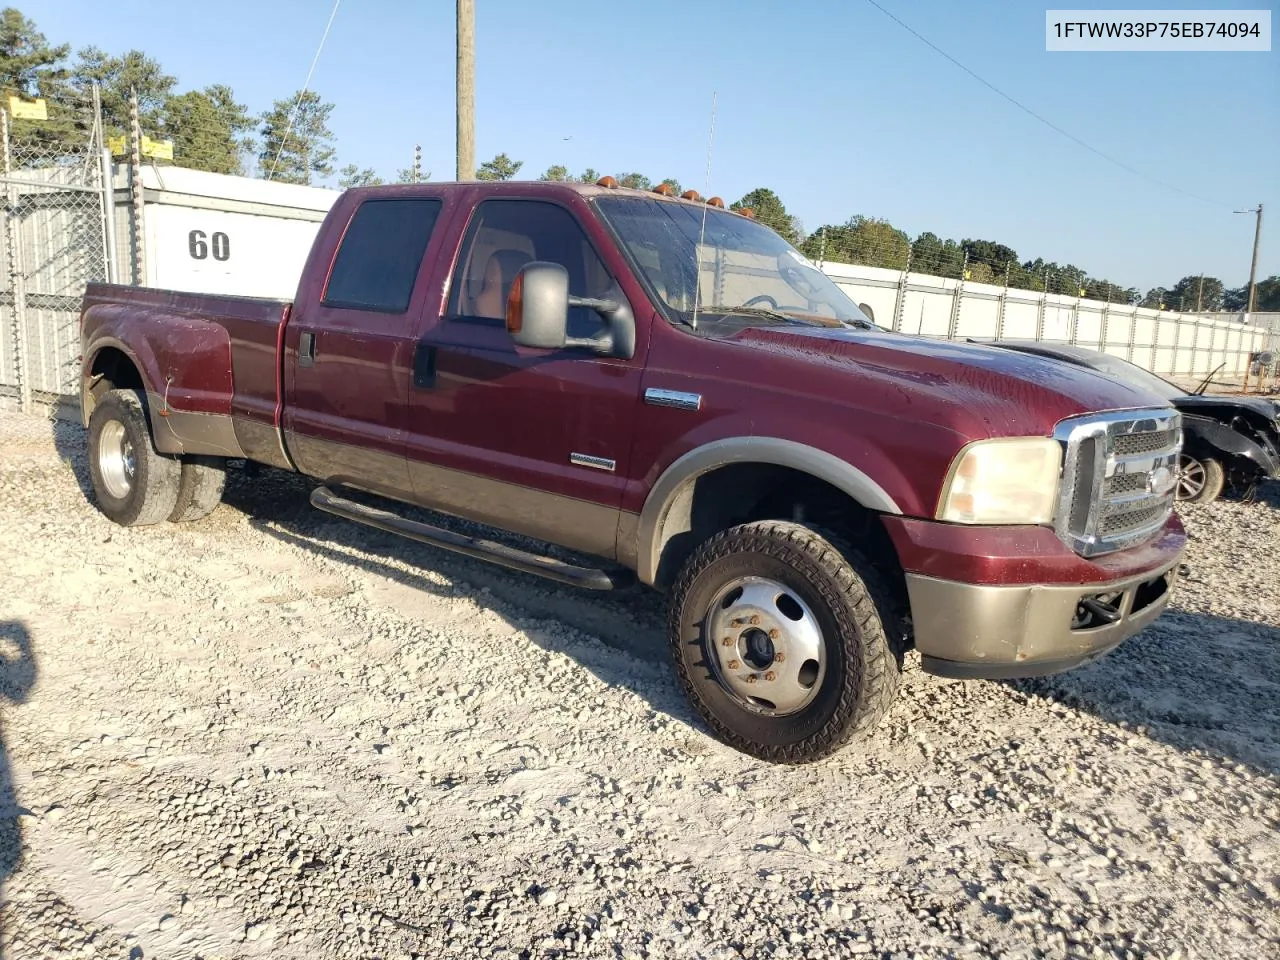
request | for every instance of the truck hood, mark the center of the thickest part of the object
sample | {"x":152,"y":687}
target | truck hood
{"x":975,"y":389}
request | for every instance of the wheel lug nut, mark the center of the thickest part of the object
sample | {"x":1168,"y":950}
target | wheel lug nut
{"x":751,"y":678}
{"x":727,"y":641}
{"x":755,"y":620}
{"x":771,"y":676}
{"x":779,"y":657}
{"x":734,"y":664}
{"x":774,"y":634}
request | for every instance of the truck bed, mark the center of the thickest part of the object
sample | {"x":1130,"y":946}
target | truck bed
{"x":210,"y":363}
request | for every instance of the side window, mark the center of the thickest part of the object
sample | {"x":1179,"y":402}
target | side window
{"x":505,"y":235}
{"x":380,"y":254}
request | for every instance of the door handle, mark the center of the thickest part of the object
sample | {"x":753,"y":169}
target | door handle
{"x":307,"y":349}
{"x":424,"y":366}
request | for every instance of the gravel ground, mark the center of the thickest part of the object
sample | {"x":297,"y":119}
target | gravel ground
{"x":273,"y":733}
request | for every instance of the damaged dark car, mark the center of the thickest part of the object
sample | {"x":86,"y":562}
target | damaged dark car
{"x":1228,"y":442}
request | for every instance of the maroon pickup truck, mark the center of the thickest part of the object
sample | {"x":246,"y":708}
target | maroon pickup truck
{"x":666,"y":391}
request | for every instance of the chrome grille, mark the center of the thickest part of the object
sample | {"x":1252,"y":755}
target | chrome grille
{"x":1122,"y":521}
{"x":1129,"y":483}
{"x":1134,"y":443}
{"x":1119,"y":474}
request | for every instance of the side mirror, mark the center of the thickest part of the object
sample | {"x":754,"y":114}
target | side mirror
{"x":538,"y":306}
{"x":538,"y":313}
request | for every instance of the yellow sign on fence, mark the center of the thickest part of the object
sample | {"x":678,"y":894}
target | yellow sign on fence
{"x":157,"y":149}
{"x":20,"y":109}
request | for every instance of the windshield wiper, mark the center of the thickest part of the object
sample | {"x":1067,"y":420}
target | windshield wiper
{"x":780,"y":317}
{"x":765,"y":312}
{"x":1204,"y":384}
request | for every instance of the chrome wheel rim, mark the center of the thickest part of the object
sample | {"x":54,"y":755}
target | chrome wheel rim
{"x":1191,"y":478}
{"x":765,"y":646}
{"x":117,"y":464}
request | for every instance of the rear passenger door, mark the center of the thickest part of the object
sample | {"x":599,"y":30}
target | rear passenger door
{"x":349,"y":356}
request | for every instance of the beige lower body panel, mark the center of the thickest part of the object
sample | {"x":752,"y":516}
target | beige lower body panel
{"x":964,"y":629}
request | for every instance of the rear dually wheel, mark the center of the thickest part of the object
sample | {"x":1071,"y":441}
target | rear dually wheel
{"x":135,"y":484}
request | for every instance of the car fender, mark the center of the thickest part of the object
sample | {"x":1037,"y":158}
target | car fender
{"x":750,"y":449}
{"x":1205,"y":437}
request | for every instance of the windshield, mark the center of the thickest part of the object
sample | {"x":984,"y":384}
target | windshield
{"x":1136,"y":376}
{"x":746,"y":273}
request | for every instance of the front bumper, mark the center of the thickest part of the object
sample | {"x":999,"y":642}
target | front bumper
{"x":1015,"y":625}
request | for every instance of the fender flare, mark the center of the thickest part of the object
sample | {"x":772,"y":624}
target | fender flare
{"x":1206,"y":431}
{"x":718,"y":453}
{"x":109,"y":342}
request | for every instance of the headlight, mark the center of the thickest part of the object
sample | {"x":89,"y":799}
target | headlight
{"x":1003,"y":481}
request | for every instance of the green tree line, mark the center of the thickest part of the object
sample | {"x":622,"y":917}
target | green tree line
{"x":292,"y":143}
{"x":210,"y":129}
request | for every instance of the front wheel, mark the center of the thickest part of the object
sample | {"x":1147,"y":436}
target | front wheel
{"x":1199,"y":481}
{"x":783,"y":641}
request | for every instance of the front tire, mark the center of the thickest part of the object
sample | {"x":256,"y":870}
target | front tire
{"x":784,"y":641}
{"x":1199,"y":481}
{"x":135,"y":484}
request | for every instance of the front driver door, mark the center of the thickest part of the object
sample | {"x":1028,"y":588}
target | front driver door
{"x":530,"y":440}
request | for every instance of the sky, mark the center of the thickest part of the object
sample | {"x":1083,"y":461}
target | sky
{"x":829,"y":103}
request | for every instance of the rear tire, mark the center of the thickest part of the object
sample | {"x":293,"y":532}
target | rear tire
{"x":1199,"y":481}
{"x":136,"y":484}
{"x":200,"y":489}
{"x":815,"y":601}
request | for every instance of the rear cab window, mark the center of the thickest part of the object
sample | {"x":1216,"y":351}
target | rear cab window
{"x":380,"y":253}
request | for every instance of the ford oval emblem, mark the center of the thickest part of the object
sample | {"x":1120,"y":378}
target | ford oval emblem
{"x":1161,"y":481}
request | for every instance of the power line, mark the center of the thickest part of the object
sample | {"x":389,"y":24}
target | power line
{"x":293,"y":115}
{"x":1047,"y":122}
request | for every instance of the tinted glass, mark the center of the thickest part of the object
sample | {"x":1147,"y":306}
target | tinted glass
{"x":380,"y":255}
{"x":505,"y":235}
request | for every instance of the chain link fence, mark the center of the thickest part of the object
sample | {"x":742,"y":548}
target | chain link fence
{"x":54,"y":234}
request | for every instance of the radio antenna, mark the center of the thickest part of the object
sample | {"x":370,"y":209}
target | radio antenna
{"x":702,"y":235}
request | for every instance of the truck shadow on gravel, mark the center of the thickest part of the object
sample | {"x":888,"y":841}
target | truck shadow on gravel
{"x":1195,"y":681}
{"x":69,"y":439}
{"x":628,"y":620}
{"x":17,"y":677}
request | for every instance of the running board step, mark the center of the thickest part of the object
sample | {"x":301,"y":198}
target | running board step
{"x":322,"y":498}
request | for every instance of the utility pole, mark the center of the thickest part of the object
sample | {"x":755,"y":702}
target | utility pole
{"x":1200,"y":295}
{"x":1253,"y":267}
{"x":135,"y":193}
{"x":466,"y":90}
